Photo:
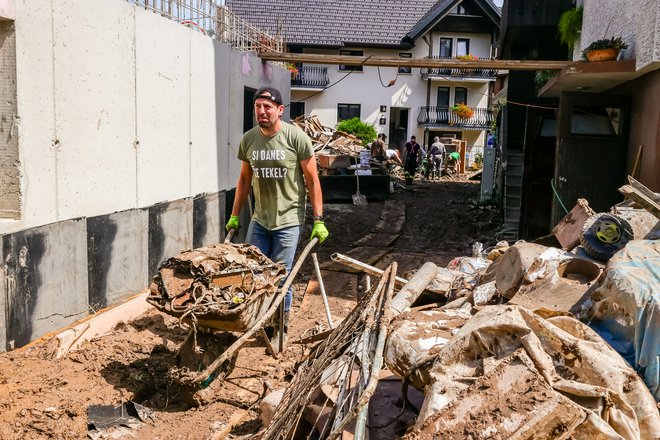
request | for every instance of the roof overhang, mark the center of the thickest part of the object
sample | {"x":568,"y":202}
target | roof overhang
{"x":590,"y":77}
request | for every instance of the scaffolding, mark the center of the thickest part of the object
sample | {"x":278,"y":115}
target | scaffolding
{"x":213,"y":19}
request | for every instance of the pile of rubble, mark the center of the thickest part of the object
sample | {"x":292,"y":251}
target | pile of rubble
{"x":532,"y":341}
{"x":326,"y":140}
{"x":222,"y":286}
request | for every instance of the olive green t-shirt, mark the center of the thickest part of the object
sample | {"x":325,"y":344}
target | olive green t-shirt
{"x":277,"y":181}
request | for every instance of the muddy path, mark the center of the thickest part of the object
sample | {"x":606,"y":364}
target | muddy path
{"x":41,"y":397}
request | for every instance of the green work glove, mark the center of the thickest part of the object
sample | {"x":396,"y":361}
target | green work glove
{"x":319,"y":231}
{"x":232,"y":223}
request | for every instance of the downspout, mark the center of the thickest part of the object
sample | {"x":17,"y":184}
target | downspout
{"x":429,"y":43}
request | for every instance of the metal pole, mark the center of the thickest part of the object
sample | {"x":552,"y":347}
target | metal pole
{"x":322,"y":289}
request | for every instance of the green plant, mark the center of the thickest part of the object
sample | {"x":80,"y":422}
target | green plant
{"x":615,"y":43}
{"x":569,"y":27}
{"x":468,"y":57}
{"x":363,"y":131}
{"x":541,"y":77}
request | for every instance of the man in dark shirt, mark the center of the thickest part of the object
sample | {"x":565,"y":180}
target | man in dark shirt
{"x":411,"y":156}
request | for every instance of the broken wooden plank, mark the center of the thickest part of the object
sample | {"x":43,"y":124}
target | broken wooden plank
{"x":642,"y":195}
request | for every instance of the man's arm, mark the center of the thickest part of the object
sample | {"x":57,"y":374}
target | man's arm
{"x":313,"y":185}
{"x":242,"y":187}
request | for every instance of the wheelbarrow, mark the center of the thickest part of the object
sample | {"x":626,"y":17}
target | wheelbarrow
{"x":248,"y":318}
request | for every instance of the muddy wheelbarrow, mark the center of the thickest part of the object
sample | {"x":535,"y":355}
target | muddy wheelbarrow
{"x":249,"y":317}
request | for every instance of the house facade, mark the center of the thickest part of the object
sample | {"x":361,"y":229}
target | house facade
{"x":399,"y":102}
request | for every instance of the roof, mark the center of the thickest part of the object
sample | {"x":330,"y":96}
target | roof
{"x":442,"y":8}
{"x":342,"y":22}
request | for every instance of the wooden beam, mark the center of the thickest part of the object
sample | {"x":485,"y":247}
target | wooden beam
{"x":433,"y":63}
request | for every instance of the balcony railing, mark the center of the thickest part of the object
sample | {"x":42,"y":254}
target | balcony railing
{"x":445,"y":117}
{"x":314,"y":77}
{"x":456,"y":73}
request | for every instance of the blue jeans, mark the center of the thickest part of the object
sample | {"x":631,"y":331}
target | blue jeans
{"x":280,"y":246}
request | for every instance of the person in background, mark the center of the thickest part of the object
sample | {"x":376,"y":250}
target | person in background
{"x":437,"y":155}
{"x":378,"y":147}
{"x":277,"y":160}
{"x":411,"y":156}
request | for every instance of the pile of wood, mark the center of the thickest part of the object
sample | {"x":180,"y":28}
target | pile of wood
{"x":327,"y":139}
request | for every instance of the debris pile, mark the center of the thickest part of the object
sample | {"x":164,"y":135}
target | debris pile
{"x":521,"y":341}
{"x":326,"y":140}
{"x":223,"y":286}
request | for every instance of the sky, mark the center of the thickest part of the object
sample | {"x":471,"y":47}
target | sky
{"x":498,"y":2}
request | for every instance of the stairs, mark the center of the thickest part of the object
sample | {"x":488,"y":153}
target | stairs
{"x":512,"y":194}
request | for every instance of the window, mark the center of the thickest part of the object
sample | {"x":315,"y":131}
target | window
{"x":460,"y":95}
{"x":443,"y":97}
{"x":347,"y":111}
{"x":297,"y":109}
{"x":462,"y":46}
{"x":405,"y":69}
{"x":595,"y":121}
{"x":352,"y":53}
{"x":460,"y":10}
{"x":445,"y":47}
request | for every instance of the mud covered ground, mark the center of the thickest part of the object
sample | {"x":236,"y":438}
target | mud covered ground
{"x":45,"y":398}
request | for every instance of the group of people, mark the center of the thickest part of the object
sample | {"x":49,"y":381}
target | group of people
{"x":414,"y":154}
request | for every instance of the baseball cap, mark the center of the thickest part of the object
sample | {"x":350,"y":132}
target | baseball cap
{"x":269,"y":93}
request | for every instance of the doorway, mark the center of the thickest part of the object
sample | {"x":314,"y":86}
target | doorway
{"x":398,"y":127}
{"x":591,"y":150}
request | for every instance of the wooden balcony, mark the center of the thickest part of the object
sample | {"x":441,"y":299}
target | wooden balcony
{"x":310,"y":77}
{"x":444,"y":117}
{"x":457,"y":74}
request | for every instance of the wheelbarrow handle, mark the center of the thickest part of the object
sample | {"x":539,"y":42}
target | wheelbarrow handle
{"x":230,"y":235}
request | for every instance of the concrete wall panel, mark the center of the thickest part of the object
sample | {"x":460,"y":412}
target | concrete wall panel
{"x":209,"y":92}
{"x":36,"y":126}
{"x":44,"y":270}
{"x":4,"y":284}
{"x":95,"y":106}
{"x":163,"y":108}
{"x":117,"y":256}
{"x":208,"y":219}
{"x":170,"y":231}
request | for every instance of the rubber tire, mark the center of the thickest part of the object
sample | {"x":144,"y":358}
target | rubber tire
{"x":597,"y":249}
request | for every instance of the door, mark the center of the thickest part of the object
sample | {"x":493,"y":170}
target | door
{"x":591,"y":150}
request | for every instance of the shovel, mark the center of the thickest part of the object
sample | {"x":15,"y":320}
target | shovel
{"x":359,"y":199}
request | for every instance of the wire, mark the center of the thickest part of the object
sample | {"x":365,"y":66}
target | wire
{"x":552,"y":185}
{"x":392,"y":82}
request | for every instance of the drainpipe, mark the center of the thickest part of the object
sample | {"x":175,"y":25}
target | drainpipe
{"x":429,"y":43}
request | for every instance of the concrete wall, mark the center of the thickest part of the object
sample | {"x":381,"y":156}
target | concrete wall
{"x":409,"y":91}
{"x":644,"y":127}
{"x":9,"y":176}
{"x":636,"y":21}
{"x":128,"y":125}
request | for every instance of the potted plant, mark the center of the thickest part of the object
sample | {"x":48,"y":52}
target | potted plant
{"x":570,"y":26}
{"x":462,"y":111}
{"x":291,"y":67}
{"x":606,"y":49}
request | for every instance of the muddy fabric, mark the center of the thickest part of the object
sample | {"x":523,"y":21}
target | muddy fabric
{"x":626,"y":308}
{"x":566,"y":355}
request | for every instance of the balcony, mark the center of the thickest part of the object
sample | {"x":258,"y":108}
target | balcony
{"x":310,"y":77}
{"x":444,"y":117}
{"x":455,"y":73}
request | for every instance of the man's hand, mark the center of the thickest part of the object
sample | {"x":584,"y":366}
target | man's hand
{"x":232,"y":223}
{"x":319,"y":231}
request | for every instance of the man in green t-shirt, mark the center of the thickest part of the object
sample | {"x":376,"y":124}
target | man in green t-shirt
{"x":277,"y":159}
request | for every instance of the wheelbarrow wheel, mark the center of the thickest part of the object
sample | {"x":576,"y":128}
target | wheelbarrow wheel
{"x":604,"y":235}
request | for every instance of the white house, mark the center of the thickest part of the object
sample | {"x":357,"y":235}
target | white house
{"x":399,"y":102}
